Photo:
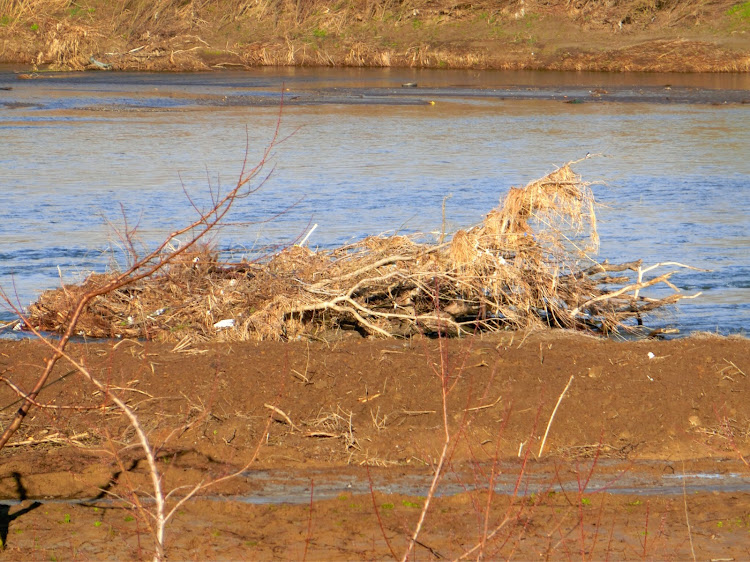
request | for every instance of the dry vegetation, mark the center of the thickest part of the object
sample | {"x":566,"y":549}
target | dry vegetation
{"x":694,"y":35}
{"x":529,"y":263}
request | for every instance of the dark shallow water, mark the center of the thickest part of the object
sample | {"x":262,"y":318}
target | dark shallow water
{"x":294,"y":487}
{"x":367,"y":156}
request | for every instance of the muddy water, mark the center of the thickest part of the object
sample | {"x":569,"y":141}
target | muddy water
{"x":294,"y":487}
{"x":643,"y":478}
{"x":368,"y":156}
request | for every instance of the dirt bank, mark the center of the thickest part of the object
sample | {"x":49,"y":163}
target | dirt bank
{"x":630,"y":35}
{"x":328,"y":421}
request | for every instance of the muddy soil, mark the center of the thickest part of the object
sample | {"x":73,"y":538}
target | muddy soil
{"x":337,"y":443}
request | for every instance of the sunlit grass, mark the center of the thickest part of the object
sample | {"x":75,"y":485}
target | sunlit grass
{"x":740,"y":11}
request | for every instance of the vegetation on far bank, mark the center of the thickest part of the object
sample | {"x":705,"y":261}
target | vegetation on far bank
{"x":622,"y":35}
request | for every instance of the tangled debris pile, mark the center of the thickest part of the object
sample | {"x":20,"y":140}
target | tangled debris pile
{"x":527,"y":264}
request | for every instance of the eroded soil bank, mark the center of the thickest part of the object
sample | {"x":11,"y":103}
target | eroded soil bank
{"x":643,"y":455}
{"x":629,"y":35}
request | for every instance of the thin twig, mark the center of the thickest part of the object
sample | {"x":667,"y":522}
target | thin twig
{"x":552,"y":417}
{"x":26,"y":397}
{"x":309,"y":520}
{"x":687,"y":516}
{"x":55,"y":438}
{"x":286,"y":418}
{"x":475,"y":408}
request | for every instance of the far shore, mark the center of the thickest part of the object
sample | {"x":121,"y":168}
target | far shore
{"x":628,"y":36}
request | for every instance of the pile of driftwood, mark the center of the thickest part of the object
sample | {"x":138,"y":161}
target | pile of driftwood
{"x":529,"y":263}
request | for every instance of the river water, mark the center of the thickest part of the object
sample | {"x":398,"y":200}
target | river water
{"x":365,"y":155}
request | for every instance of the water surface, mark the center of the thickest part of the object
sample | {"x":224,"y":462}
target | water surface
{"x":366,"y":156}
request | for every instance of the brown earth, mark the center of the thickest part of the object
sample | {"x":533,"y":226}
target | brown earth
{"x":623,"y":35}
{"x":328,"y":421}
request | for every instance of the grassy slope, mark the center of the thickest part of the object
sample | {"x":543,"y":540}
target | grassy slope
{"x":655,"y":35}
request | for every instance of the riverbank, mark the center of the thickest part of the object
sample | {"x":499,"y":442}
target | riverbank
{"x":319,"y":424}
{"x":692,"y":36}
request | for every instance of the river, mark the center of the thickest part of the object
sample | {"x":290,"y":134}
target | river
{"x":364,"y":155}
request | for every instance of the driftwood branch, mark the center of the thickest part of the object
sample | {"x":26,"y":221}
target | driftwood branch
{"x":520,"y":268}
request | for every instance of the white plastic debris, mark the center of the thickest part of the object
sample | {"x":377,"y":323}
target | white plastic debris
{"x":651,"y":355}
{"x":228,"y":323}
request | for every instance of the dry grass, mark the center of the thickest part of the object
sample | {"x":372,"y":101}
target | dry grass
{"x":21,"y":10}
{"x":198,"y":34}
